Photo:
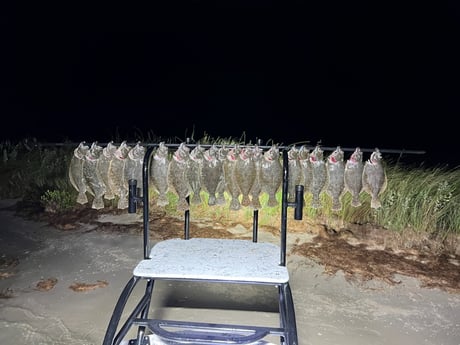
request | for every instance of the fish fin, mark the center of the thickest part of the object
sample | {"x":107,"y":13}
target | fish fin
{"x":196,"y":199}
{"x":272,"y":202}
{"x":182,"y":205}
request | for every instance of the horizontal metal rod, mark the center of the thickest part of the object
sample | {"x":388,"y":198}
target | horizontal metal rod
{"x":281,"y":147}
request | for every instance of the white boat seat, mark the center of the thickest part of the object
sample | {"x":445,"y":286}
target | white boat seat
{"x":214,"y":259}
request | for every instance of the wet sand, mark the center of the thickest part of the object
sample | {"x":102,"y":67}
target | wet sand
{"x":329,"y":309}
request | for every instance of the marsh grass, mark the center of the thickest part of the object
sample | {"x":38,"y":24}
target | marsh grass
{"x":418,"y":203}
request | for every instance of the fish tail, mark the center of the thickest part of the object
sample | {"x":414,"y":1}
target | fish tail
{"x":182,"y":205}
{"x":355,"y":202}
{"x":109,"y":196}
{"x":212,"y":200}
{"x":82,"y":198}
{"x":235,"y":204}
{"x":375,"y":202}
{"x":196,"y":199}
{"x":245,"y":201}
{"x":122,"y":203}
{"x":272,"y":202}
{"x":98,"y":203}
{"x":162,"y":200}
{"x":315,"y":202}
{"x":256,"y":203}
{"x":221,"y":199}
{"x":336,"y":205}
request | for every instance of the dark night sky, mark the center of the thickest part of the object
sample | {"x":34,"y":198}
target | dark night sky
{"x":344,"y":74}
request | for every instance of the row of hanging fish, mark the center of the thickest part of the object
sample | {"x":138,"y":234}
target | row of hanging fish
{"x":103,"y":172}
{"x":335,"y":176}
{"x":244,"y":172}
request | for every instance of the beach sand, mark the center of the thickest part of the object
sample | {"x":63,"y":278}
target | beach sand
{"x":60,"y":287}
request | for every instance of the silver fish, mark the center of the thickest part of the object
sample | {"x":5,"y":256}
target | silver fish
{"x":212,"y":173}
{"x":117,"y":182}
{"x":374,"y":178}
{"x":222,"y":185}
{"x":134,"y":164}
{"x":104,"y":166}
{"x":177,"y":176}
{"x":256,"y":190}
{"x":319,"y":176}
{"x":245,"y":174}
{"x":335,"y":166}
{"x":353,"y":176}
{"x":76,"y":176}
{"x":159,"y":174}
{"x":271,"y":174}
{"x":230,"y":180}
{"x":93,"y":178}
{"x":295,"y":172}
{"x":304,"y":160}
{"x":194,"y":173}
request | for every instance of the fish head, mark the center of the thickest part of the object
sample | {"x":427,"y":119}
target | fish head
{"x":197,"y":154}
{"x":336,"y":156}
{"x":304,"y":152}
{"x":293,"y":153}
{"x":316,"y":155}
{"x":81,"y":150}
{"x":109,"y":150}
{"x":232,"y":154}
{"x":122,"y":151}
{"x":356,"y":156}
{"x":376,"y":157}
{"x":257,"y":153}
{"x":137,"y":152}
{"x":94,"y":152}
{"x":182,"y":154}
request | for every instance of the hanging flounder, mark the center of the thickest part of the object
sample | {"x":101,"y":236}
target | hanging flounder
{"x":194,"y":173}
{"x":104,"y":165}
{"x":93,"y":178}
{"x":319,"y":176}
{"x":374,"y":178}
{"x":305,"y":165}
{"x":295,"y":172}
{"x":245,"y":174}
{"x":222,"y":185}
{"x":76,"y":176}
{"x":230,"y":180}
{"x":116,"y":175}
{"x":256,"y":190}
{"x":159,"y":173}
{"x":177,"y":176}
{"x":133,"y":166}
{"x":353,"y":176}
{"x":212,"y":173}
{"x":335,"y":177}
{"x":271,"y":174}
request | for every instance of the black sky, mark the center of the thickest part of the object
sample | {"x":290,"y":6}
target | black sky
{"x":350,"y":74}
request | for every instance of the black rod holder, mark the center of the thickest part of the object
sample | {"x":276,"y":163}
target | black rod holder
{"x":298,"y":203}
{"x":133,"y":197}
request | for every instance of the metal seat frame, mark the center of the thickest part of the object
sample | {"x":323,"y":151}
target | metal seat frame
{"x":154,"y":267}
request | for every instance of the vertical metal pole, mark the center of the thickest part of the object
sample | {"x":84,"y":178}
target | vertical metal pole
{"x":284,"y":206}
{"x":145,"y":196}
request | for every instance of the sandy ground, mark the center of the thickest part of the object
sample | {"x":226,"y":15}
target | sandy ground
{"x":44,"y":299}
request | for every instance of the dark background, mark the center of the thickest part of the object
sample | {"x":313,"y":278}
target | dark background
{"x":347,"y":73}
